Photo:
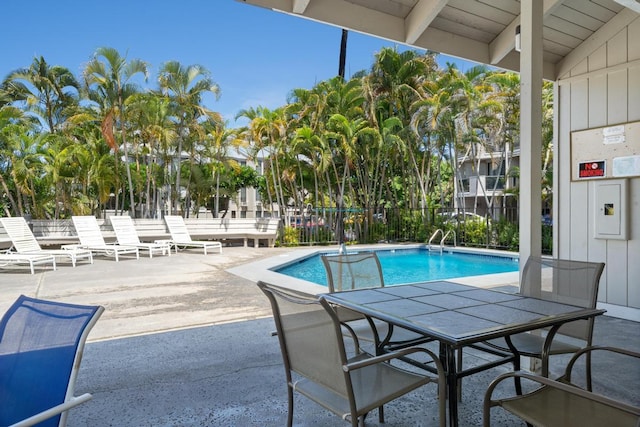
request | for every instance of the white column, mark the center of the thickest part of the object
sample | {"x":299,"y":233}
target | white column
{"x":530,"y":129}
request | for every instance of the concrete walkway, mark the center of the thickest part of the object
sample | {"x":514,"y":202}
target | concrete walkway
{"x":184,"y":342}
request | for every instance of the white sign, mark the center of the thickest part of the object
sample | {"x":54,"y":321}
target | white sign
{"x":613,"y":130}
{"x":626,"y":166}
{"x":613,"y":139}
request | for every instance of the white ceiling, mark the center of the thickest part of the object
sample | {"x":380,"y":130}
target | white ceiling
{"x":478,"y":30}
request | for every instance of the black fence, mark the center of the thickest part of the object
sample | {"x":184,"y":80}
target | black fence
{"x":495,"y":230}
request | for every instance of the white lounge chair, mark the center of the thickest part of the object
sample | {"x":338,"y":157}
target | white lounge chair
{"x":14,"y":258}
{"x":24,"y":242}
{"x":91,"y":238}
{"x":127,"y":235}
{"x":180,"y":236}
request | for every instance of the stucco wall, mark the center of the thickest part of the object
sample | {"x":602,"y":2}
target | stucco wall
{"x":601,"y":90}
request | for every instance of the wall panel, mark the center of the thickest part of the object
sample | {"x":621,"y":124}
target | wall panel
{"x":600,"y":100}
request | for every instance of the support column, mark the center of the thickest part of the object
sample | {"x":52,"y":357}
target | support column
{"x":530,"y":129}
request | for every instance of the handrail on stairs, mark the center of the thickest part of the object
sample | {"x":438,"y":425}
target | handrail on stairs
{"x":433,"y":236}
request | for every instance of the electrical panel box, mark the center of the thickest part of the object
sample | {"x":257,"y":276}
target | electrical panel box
{"x":610,"y":208}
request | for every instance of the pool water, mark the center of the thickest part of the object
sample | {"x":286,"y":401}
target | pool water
{"x":413,"y":265}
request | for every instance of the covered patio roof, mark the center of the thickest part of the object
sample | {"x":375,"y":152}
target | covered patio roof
{"x":558,"y":39}
{"x":482,"y":31}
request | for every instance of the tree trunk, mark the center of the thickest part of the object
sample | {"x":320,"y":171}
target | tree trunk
{"x":343,"y":53}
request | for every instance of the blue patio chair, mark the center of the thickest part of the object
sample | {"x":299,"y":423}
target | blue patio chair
{"x":41,"y":344}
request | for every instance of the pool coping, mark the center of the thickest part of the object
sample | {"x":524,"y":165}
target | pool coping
{"x":264,"y":269}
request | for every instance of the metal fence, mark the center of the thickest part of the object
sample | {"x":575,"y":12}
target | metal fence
{"x":493,"y":230}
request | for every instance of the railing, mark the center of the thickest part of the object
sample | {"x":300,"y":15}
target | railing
{"x":433,"y":236}
{"x":444,"y":238}
{"x":495,"y":229}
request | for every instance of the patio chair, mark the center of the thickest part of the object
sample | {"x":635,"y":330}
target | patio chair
{"x":317,"y":364}
{"x":127,"y":235}
{"x":41,"y":344}
{"x":361,"y":270}
{"x":180,"y":236}
{"x":91,"y":238}
{"x":24,"y":242}
{"x":561,"y":403}
{"x":13,"y":258}
{"x":563,"y":281}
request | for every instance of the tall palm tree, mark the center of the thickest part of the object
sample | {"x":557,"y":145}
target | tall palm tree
{"x":150,"y":115}
{"x":46,"y":91}
{"x":185,"y":87}
{"x":218,"y":141}
{"x":267,"y":130}
{"x":25,"y":151}
{"x":109,"y":80}
{"x":343,"y":53}
{"x":9,"y":116}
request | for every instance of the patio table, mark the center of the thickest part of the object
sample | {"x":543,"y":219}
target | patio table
{"x":458,"y":316}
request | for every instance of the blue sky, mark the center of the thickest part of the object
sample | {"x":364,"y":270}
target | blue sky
{"x":256,"y":56}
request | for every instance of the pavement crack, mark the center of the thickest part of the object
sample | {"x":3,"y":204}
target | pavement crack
{"x":39,"y":285}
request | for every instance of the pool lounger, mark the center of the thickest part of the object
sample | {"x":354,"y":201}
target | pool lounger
{"x":10,"y":258}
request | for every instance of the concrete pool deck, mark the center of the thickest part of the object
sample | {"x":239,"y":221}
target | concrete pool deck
{"x":186,"y":341}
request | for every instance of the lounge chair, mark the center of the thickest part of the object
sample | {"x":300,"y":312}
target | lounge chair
{"x":180,"y":236}
{"x":41,"y":345}
{"x":318,"y":366}
{"x":561,"y":403}
{"x":91,"y":238}
{"x":128,"y":236}
{"x":13,"y":258}
{"x":24,"y":242}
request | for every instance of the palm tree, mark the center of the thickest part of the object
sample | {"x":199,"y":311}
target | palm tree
{"x":150,"y":115}
{"x":267,"y":130}
{"x":185,"y":87}
{"x":108,"y":78}
{"x":9,"y":116}
{"x":218,"y":141}
{"x":25,"y":150}
{"x":345,"y":134}
{"x":343,"y":53}
{"x":46,"y":91}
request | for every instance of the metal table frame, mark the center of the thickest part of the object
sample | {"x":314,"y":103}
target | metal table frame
{"x":458,"y":316}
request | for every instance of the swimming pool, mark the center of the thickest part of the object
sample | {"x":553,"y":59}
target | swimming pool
{"x":412,"y":265}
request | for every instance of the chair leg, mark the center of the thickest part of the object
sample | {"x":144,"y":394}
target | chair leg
{"x":290,"y":411}
{"x":381,"y":414}
{"x":458,"y":369}
{"x":516,"y":367}
{"x":588,"y":367}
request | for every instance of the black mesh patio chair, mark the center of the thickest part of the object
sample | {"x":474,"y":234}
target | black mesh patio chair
{"x":319,"y":367}
{"x":559,"y":403}
{"x":563,"y":281}
{"x":362,"y":270}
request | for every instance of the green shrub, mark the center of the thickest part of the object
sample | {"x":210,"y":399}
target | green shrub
{"x":291,"y":236}
{"x":507,"y":235}
{"x":547,"y":239}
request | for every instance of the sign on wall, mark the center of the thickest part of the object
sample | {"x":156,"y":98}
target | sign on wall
{"x":606,"y":152}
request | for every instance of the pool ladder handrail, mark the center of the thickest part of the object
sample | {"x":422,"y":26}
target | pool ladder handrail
{"x":444,"y":237}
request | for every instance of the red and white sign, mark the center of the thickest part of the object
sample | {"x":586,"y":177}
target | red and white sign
{"x":593,"y":169}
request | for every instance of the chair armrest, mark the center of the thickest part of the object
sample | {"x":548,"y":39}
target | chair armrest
{"x":386,"y":357}
{"x":354,"y":337}
{"x":51,"y":412}
{"x":588,"y":350}
{"x":562,"y":386}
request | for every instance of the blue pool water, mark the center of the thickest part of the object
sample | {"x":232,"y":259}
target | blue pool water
{"x":412,"y":265}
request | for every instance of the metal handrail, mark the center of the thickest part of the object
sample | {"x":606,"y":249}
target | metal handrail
{"x":433,"y":236}
{"x":445,"y":237}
